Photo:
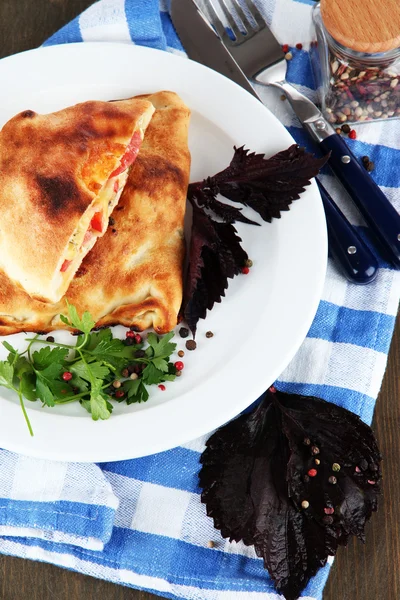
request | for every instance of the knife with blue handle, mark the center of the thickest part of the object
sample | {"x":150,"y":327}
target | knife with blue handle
{"x":203,"y":45}
{"x":345,"y":244}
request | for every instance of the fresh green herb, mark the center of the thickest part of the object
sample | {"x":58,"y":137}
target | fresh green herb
{"x":85,"y":372}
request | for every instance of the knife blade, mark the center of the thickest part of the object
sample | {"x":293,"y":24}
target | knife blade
{"x":203,"y":45}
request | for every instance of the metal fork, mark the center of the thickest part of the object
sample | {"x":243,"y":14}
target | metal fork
{"x":260,"y":56}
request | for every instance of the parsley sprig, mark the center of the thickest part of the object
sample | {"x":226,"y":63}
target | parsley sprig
{"x":95,"y":361}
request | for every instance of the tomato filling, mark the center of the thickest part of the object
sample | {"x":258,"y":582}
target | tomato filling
{"x":97,"y":222}
{"x":130,"y":155}
{"x":65,"y":265}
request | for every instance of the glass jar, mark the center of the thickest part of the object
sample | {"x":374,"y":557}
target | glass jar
{"x":354,"y":86}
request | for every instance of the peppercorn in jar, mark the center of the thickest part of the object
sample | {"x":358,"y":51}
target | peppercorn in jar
{"x":356,"y":59}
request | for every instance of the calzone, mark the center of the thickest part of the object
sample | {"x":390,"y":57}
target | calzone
{"x":133,"y":275}
{"x":61,"y":175}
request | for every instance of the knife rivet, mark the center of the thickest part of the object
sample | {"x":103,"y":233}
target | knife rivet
{"x":351,"y":250}
{"x":398,"y":236}
{"x":320,"y":125}
{"x":345,"y":159}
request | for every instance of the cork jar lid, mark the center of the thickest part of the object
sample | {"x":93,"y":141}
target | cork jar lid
{"x":363,"y":25}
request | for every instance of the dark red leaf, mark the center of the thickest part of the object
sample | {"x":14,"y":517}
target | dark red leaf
{"x":267,"y":185}
{"x":267,"y":480}
{"x":215,"y":255}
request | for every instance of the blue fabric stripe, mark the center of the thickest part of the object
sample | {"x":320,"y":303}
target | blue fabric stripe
{"x":345,"y":325}
{"x":171,"y":37}
{"x":143,"y":17}
{"x":85,"y":520}
{"x":359,"y":403}
{"x":67,"y":35}
{"x":176,"y":468}
{"x":179,"y":562}
{"x":299,"y":69}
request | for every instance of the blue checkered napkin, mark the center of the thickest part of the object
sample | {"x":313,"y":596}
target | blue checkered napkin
{"x":140,"y":522}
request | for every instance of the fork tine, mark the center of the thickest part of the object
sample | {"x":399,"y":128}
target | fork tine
{"x":255,"y":13}
{"x":247,"y":25}
{"x":216,"y":21}
{"x":231,"y":21}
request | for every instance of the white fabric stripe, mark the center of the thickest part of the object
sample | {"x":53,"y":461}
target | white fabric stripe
{"x":291,"y":23}
{"x":383,"y":133}
{"x":90,"y":543}
{"x":128,"y":577}
{"x":26,"y":479}
{"x":46,"y":480}
{"x":338,"y":291}
{"x":105,"y":22}
{"x":340,"y":365}
{"x":160,"y":510}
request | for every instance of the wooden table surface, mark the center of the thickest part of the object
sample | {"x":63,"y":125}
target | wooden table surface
{"x":369,"y":572}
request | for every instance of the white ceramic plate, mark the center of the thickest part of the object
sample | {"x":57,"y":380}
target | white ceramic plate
{"x":265,"y":316}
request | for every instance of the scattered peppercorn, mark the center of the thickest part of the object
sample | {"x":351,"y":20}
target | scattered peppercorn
{"x":210,"y":544}
{"x":332,"y":480}
{"x":289,"y":56}
{"x":285,"y":48}
{"x":345,"y":128}
{"x":50,"y":339}
{"x":305,"y":504}
{"x":245,"y":270}
{"x":133,"y":376}
{"x":307,"y":442}
{"x":179,"y":365}
{"x":312,"y":472}
{"x":338,"y":131}
{"x":209,"y":334}
{"x":125,"y":373}
{"x":283,"y":97}
{"x":248,"y":262}
{"x":371,"y":482}
{"x":365,"y":160}
{"x":130,"y":334}
{"x":117,"y":384}
{"x":134,"y":328}
{"x":370,"y":166}
{"x":327,"y":520}
{"x":328,"y":510}
{"x":140,"y":353}
{"x":299,"y":46}
{"x":67,"y":376}
{"x":191,"y":345}
{"x":314,"y":450}
{"x":162,"y":387}
{"x":317,"y":461}
{"x":129,"y":341}
{"x":353,"y":134}
{"x":119,"y":394}
{"x":178,"y":373}
{"x":335,"y":467}
{"x":357,"y":470}
{"x":184,"y":332}
{"x":138,"y":339}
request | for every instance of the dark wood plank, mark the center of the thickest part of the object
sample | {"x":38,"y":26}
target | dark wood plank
{"x":360,"y":572}
{"x":369,"y":572}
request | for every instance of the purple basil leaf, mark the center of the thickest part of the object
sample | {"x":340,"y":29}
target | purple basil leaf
{"x":295,"y":477}
{"x":267,"y":185}
{"x":215,"y":254}
{"x":205,"y":195}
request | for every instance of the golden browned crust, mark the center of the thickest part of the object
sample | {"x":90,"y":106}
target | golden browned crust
{"x":51,"y":169}
{"x":133,"y":275}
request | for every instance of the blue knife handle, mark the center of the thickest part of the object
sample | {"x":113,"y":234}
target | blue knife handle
{"x":356,"y":260}
{"x":380,"y":215}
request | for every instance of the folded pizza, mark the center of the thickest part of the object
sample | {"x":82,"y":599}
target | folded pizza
{"x":133,"y":275}
{"x":61,"y":175}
